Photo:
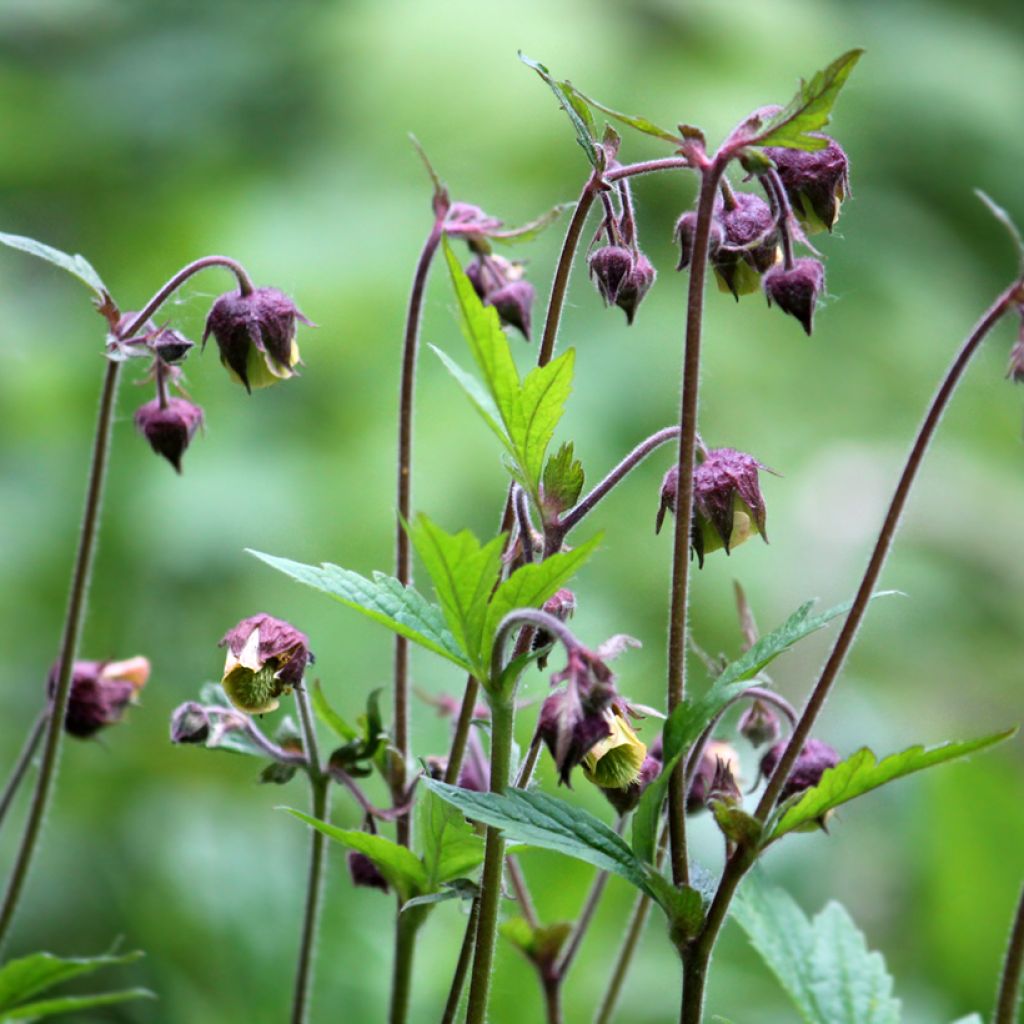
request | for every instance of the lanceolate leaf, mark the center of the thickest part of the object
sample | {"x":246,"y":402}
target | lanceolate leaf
{"x":72,"y":1004}
{"x":540,"y":407}
{"x":823,"y":964}
{"x":575,"y":108}
{"x":399,"y":865}
{"x":862,"y":772}
{"x":463,"y":573}
{"x":382,"y":599}
{"x":451,"y":847}
{"x":27,"y":976}
{"x":809,"y":109}
{"x":527,"y":232}
{"x":76,"y":265}
{"x":479,"y":396}
{"x":641,"y":124}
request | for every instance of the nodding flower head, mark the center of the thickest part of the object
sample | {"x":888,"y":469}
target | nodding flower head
{"x":749,"y":245}
{"x":715,"y":778}
{"x":616,"y":760}
{"x":364,"y":873}
{"x":813,"y":761}
{"x":636,"y":285}
{"x":759,"y":724}
{"x":169,"y":429}
{"x":727,"y":504}
{"x":610,"y":269}
{"x":255,"y":333}
{"x":266,"y":657}
{"x":795,"y":291}
{"x":499,"y":283}
{"x":100,"y":692}
{"x":625,"y":798}
{"x":816,"y":181}
{"x":685,"y":233}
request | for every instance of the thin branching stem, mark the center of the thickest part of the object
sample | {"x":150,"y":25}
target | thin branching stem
{"x":28,"y":751}
{"x":1009,"y":983}
{"x":451,"y":1007}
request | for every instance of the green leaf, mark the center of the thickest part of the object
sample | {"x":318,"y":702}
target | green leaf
{"x":382,"y":599}
{"x":463,"y":573}
{"x":823,"y":964}
{"x":862,"y":772}
{"x":28,"y":975}
{"x":72,"y":1004}
{"x":76,"y":265}
{"x":563,"y":480}
{"x":527,"y":232}
{"x":531,"y":585}
{"x":641,"y":124}
{"x":451,"y":847}
{"x":540,"y":407}
{"x":399,"y":865}
{"x":1007,"y":221}
{"x":809,"y":109}
{"x":330,"y":717}
{"x":540,"y":820}
{"x":479,"y":396}
{"x":575,"y":107}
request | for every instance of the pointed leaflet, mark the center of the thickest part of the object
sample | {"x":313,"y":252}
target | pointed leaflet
{"x":329,"y":716}
{"x":76,"y":265}
{"x":527,"y":232}
{"x":463,"y":573}
{"x":1007,"y":221}
{"x":823,"y":964}
{"x":382,"y":599}
{"x":399,"y":865}
{"x":479,"y":396}
{"x":862,"y":772}
{"x":575,"y":108}
{"x":29,"y":975}
{"x":809,"y":109}
{"x":71,"y":1004}
{"x":451,"y":848}
{"x":641,"y":124}
{"x":563,"y":480}
{"x":691,"y":717}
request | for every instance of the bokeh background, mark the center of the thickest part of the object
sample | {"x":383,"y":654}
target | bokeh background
{"x":145,"y":135}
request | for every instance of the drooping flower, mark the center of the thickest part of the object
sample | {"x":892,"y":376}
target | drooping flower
{"x":749,"y":245}
{"x":266,"y":657}
{"x":796,"y":290}
{"x":814,"y":760}
{"x":715,"y":777}
{"x":169,"y":429}
{"x":816,"y":181}
{"x":100,"y":692}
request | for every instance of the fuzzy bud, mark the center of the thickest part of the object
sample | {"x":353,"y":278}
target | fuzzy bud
{"x":266,"y":657}
{"x":171,"y":346}
{"x":190,"y":723}
{"x":686,"y":231}
{"x":513,"y":303}
{"x":715,"y":777}
{"x":625,"y":798}
{"x":814,"y":760}
{"x":610,"y":269}
{"x":364,"y":872}
{"x":169,"y":429}
{"x":256,"y":335}
{"x":749,"y":245}
{"x":100,"y":692}
{"x":759,"y":724}
{"x":816,"y":181}
{"x":795,"y":291}
{"x":635,"y":286}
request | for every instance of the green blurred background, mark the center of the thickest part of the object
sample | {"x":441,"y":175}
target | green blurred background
{"x":145,"y":135}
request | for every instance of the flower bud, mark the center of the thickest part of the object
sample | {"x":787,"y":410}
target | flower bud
{"x":759,"y":724}
{"x":610,"y":268}
{"x":169,"y":429}
{"x":816,"y":181}
{"x":715,"y":777}
{"x":636,"y":284}
{"x":749,"y":246}
{"x":795,"y":291}
{"x":625,"y":798}
{"x":364,"y":872}
{"x":171,"y":346}
{"x":686,"y":231}
{"x":190,"y":723}
{"x":266,"y":658}
{"x":569,"y":729}
{"x":615,"y":761}
{"x":100,"y":692}
{"x":513,"y":303}
{"x":814,"y":760}
{"x":256,"y":335}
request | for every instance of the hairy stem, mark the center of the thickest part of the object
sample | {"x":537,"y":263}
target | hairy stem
{"x":403,"y":554}
{"x":406,"y":928}
{"x":28,"y":751}
{"x":319,"y":783}
{"x":676,"y":683}
{"x":1009,"y":984}
{"x":451,"y":1007}
{"x":502,"y":720}
{"x":245,"y":287}
{"x":522,"y":893}
{"x":68,"y":649}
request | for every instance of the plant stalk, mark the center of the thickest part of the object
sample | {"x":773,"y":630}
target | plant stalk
{"x":1009,"y":984}
{"x":28,"y":751}
{"x":451,"y":1008}
{"x":406,"y":928}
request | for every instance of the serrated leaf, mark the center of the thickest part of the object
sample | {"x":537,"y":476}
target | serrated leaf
{"x":823,"y":964}
{"x":399,"y":865}
{"x":862,"y":772}
{"x":541,"y":404}
{"x":77,"y":266}
{"x":536,"y":819}
{"x":451,"y":847}
{"x":575,"y":107}
{"x":809,"y":110}
{"x":463,"y":573}
{"x":73,"y":1004}
{"x":27,"y":976}
{"x":689,"y":719}
{"x":562,"y":480}
{"x":331,"y":718}
{"x":382,"y":599}
{"x":527,"y":232}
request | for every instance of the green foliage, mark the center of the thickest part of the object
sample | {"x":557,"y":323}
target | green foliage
{"x":357,"y":755}
{"x":529,"y":231}
{"x":823,"y":964}
{"x":575,"y":108}
{"x":451,"y":848}
{"x":692,"y":717}
{"x":77,"y":266}
{"x":28,"y":976}
{"x":809,"y":110}
{"x":862,"y":772}
{"x":382,"y":599}
{"x":562,"y":480}
{"x":463,"y":573}
{"x":542,"y":944}
{"x":522,"y":413}
{"x":331,"y":718}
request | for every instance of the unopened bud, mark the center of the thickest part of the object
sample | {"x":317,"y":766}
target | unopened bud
{"x":169,"y":429}
{"x":513,"y":303}
{"x":795,"y":291}
{"x":759,"y":724}
{"x":190,"y":723}
{"x":364,"y":872}
{"x":816,"y":181}
{"x":635,"y":286}
{"x":686,"y":231}
{"x":171,"y":346}
{"x":100,"y":691}
{"x":749,"y":245}
{"x":814,"y":760}
{"x":719,"y":763}
{"x":610,"y":267}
